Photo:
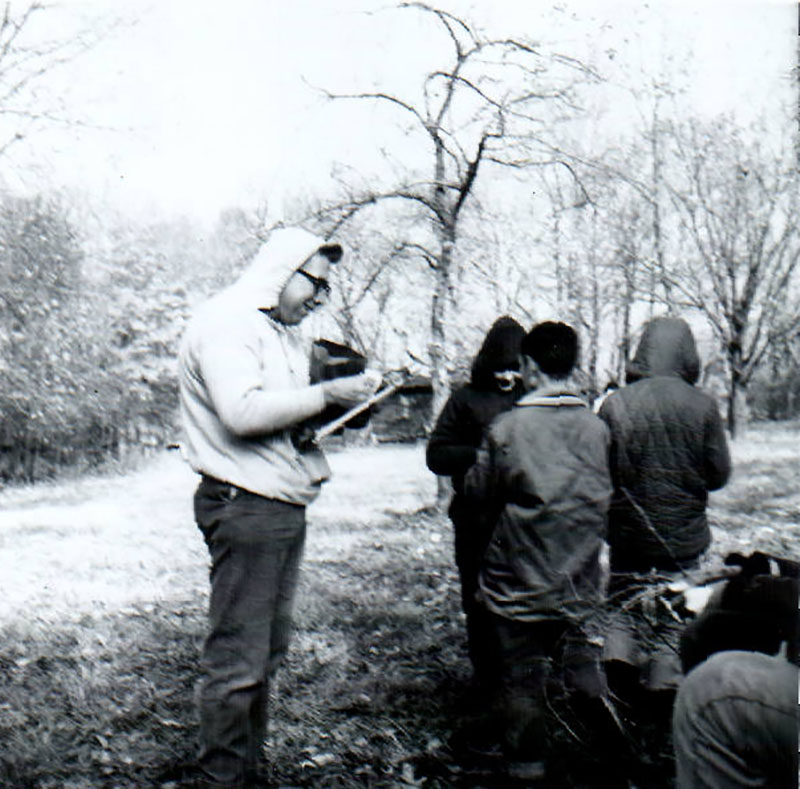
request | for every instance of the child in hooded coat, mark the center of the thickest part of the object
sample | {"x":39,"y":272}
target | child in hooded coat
{"x":493,"y":388}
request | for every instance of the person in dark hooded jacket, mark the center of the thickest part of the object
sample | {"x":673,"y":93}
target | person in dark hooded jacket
{"x":493,"y":388}
{"x":668,"y":450}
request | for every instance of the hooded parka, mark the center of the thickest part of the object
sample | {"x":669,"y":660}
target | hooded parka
{"x":471,"y":408}
{"x":461,"y":427}
{"x":668,"y":449}
{"x":451,"y":450}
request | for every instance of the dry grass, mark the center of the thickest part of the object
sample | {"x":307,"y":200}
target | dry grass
{"x":102,"y":612}
{"x":759,"y":509}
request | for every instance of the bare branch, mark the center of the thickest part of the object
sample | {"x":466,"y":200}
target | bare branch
{"x":379,"y":96}
{"x":350,"y":208}
{"x":453,"y":77}
{"x":447,"y":19}
{"x":471,"y":174}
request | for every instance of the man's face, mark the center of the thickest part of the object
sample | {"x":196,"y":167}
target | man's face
{"x":305,"y":290}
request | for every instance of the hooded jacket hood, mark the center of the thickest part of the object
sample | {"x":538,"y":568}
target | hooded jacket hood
{"x":261,"y":283}
{"x":499,"y":351}
{"x":667,"y":347}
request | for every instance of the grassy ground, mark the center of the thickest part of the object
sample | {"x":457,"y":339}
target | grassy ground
{"x":102,"y":606}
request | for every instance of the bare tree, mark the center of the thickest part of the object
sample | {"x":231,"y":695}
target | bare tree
{"x":490,"y":105}
{"x":362,"y":277}
{"x":597,"y":245}
{"x":29,"y":54}
{"x":737,"y":205}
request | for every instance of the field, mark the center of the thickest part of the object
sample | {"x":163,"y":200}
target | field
{"x":102,"y":605}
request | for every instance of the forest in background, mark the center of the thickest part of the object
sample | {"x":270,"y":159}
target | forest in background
{"x":495,"y":203}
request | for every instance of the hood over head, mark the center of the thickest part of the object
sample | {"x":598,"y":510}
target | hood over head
{"x":499,"y":351}
{"x":261,"y":283}
{"x":667,"y":347}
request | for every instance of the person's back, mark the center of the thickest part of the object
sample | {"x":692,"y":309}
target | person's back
{"x":668,"y":450}
{"x":493,"y":388}
{"x":735,"y":720}
{"x":552,"y":475}
{"x":544,"y":464}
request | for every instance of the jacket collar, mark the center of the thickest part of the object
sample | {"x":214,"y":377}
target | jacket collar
{"x":552,"y":396}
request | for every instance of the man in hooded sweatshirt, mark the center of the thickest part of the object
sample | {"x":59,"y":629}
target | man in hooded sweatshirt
{"x":494,"y":386}
{"x":244,"y":388}
{"x":668,"y":450}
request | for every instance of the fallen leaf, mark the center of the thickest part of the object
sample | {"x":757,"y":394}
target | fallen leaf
{"x":323,"y":759}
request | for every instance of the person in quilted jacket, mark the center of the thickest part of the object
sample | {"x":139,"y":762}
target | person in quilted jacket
{"x":668,"y":450}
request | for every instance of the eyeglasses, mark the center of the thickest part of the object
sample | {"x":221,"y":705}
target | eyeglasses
{"x":321,"y":285}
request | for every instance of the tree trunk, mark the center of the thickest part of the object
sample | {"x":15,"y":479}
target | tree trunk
{"x":437,"y":350}
{"x":737,"y":390}
{"x":594,"y":330}
{"x":625,"y":340}
{"x":738,"y":410}
{"x":658,"y":227}
{"x":445,"y":229}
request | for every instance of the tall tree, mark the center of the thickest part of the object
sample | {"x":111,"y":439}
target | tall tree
{"x":29,"y":54}
{"x":737,"y":204}
{"x":40,"y":267}
{"x":492,"y":103}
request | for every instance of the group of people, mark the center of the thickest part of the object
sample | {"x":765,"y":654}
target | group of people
{"x":540,"y":484}
{"x":540,"y":481}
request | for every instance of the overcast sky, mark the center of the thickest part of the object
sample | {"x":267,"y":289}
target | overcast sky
{"x":200,"y":106}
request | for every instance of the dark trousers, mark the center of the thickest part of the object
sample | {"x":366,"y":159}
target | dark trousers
{"x":470,"y":546}
{"x":255,"y":545}
{"x":529,"y":653}
{"x":640,"y":648}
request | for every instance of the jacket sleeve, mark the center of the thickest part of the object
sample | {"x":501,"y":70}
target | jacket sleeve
{"x":716,"y":457}
{"x":231,"y":369}
{"x":482,"y":479}
{"x":605,"y":413}
{"x":451,"y":451}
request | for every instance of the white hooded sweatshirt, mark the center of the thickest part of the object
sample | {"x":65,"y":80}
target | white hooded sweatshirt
{"x":244,"y":382}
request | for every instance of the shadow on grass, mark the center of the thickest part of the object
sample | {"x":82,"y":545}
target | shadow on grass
{"x":99,"y":702}
{"x":376,"y":683}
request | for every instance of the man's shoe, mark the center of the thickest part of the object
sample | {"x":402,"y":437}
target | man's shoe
{"x":526,"y":771}
{"x":475,"y":744}
{"x":484,"y":750}
{"x":177,"y":776}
